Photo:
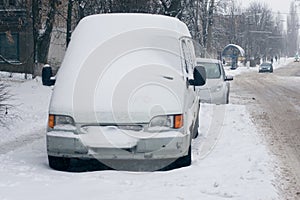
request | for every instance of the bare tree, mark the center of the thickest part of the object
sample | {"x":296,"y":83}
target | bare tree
{"x":261,"y":26}
{"x":213,"y":23}
{"x":43,"y":15}
{"x":173,"y":7}
{"x":276,"y":40}
{"x":293,"y":30}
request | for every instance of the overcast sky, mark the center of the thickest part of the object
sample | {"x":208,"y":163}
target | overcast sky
{"x":276,"y":5}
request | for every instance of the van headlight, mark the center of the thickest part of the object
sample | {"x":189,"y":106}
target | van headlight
{"x":61,"y":122}
{"x":165,"y":122}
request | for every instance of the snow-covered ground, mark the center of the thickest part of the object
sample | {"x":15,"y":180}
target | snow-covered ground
{"x":230,"y":160}
{"x":30,"y":100}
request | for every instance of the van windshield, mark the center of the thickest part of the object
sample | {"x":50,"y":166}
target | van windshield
{"x":212,"y":70}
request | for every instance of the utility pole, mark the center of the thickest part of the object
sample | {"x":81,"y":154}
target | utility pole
{"x":69,"y":22}
{"x":210,"y":24}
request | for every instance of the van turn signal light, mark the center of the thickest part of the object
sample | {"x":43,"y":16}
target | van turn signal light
{"x":51,"y":121}
{"x":178,"y":122}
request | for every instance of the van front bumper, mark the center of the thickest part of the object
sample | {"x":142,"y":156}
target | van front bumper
{"x":120,"y":146}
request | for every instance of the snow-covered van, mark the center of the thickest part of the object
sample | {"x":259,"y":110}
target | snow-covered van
{"x":125,"y":94}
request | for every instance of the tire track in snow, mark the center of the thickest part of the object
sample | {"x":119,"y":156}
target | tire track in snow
{"x":21,"y":141}
{"x":274,"y":111}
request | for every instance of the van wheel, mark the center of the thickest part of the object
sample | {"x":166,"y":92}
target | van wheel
{"x":185,"y":160}
{"x":59,"y":163}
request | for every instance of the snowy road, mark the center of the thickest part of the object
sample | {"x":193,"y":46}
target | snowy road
{"x":230,"y":160}
{"x":238,"y":167}
{"x":274,"y":102}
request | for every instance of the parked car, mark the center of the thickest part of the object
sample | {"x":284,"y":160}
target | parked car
{"x":266,"y":67}
{"x":124,"y":94}
{"x":217,"y":87}
{"x":297,"y":59}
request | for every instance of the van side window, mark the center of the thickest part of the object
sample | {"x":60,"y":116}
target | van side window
{"x":184,"y":53}
{"x":187,"y":57}
{"x":191,"y":50}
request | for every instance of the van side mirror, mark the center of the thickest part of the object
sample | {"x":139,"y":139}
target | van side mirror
{"x":199,"y":76}
{"x":228,"y":78}
{"x":47,"y":78}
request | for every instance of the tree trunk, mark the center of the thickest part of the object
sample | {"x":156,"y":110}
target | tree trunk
{"x":36,"y":25}
{"x":204,"y":23}
{"x":42,"y":34}
{"x":69,"y":22}
{"x":44,"y":39}
{"x":209,"y":26}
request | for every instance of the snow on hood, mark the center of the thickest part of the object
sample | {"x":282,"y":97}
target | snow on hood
{"x":211,"y":83}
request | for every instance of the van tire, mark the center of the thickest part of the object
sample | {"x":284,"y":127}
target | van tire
{"x":59,"y":163}
{"x":185,"y":160}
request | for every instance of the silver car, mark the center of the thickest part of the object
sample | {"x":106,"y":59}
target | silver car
{"x":216,"y":90}
{"x":266,"y":67}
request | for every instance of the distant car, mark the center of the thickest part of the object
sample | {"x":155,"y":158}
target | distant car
{"x":297,"y":59}
{"x":217,"y":88}
{"x":266,"y":67}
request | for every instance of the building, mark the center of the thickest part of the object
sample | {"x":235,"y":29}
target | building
{"x":16,"y":40}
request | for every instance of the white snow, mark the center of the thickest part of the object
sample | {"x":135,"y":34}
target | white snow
{"x":135,"y":45}
{"x":243,"y":69}
{"x":134,"y":53}
{"x":230,"y":159}
{"x":30,"y":100}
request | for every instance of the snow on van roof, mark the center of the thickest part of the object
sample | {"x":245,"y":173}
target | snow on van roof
{"x":109,"y":49}
{"x":96,"y":29}
{"x":121,"y":22}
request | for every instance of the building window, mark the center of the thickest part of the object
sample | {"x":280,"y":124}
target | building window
{"x":9,"y":46}
{"x":4,"y":3}
{"x":12,"y":2}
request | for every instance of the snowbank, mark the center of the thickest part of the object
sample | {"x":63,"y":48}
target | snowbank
{"x":30,"y":102}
